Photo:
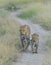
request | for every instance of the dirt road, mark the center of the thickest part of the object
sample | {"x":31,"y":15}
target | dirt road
{"x":27,"y":58}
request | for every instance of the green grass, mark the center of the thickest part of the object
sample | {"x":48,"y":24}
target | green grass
{"x":47,"y":60}
{"x":29,"y":13}
{"x":43,"y":21}
{"x":38,"y":13}
{"x":48,"y":43}
{"x":9,"y":40}
{"x":46,"y":25}
{"x":13,"y":5}
{"x":3,"y":13}
{"x":31,"y":10}
{"x":4,"y":3}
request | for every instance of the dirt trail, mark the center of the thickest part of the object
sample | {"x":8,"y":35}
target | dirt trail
{"x":27,"y":58}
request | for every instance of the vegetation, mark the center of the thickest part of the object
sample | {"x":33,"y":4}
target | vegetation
{"x":3,"y":13}
{"x":29,"y":13}
{"x":6,"y":2}
{"x":13,"y":5}
{"x":47,"y":60}
{"x":39,"y":13}
{"x":9,"y":40}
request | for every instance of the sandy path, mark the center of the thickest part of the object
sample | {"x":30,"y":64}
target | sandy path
{"x":27,"y":58}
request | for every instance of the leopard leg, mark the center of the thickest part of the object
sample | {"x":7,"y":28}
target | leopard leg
{"x":36,"y":50}
{"x":32,"y":46}
{"x":27,"y":44}
{"x":22,"y":43}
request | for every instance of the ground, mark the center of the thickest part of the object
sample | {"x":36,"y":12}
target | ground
{"x":33,"y":13}
{"x":27,"y":58}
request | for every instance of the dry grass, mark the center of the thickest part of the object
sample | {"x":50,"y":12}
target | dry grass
{"x":19,"y":2}
{"x":9,"y":40}
{"x":47,"y":60}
